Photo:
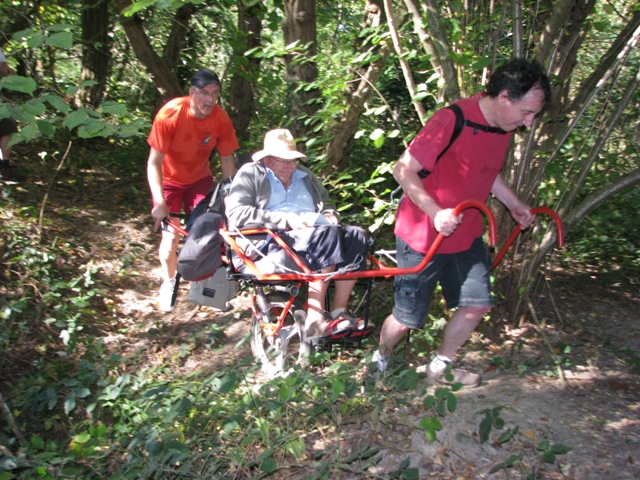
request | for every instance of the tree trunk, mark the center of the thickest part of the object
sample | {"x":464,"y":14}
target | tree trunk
{"x":338,"y":149}
{"x":165,"y":81}
{"x":96,"y":46}
{"x":404,"y":65}
{"x":560,"y":41}
{"x":436,"y":45}
{"x":245,"y":69}
{"x":179,"y":30}
{"x":299,"y":27}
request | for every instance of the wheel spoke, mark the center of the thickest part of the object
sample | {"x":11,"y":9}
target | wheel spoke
{"x":277,"y":350}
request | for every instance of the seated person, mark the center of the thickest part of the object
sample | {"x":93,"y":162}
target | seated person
{"x":276,"y":192}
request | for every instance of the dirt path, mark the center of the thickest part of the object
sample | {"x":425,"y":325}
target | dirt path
{"x":595,"y":411}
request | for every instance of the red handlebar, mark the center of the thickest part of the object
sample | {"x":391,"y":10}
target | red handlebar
{"x":382,"y":271}
{"x":518,"y":229}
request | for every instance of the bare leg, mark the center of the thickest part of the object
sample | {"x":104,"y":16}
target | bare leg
{"x":167,"y":253}
{"x":317,"y":297}
{"x":342,"y":293}
{"x":6,"y":151}
{"x":392,"y":332}
{"x":316,"y":305}
{"x":460,"y":328}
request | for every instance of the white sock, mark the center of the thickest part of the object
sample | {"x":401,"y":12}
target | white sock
{"x":439,"y":363}
{"x":336,"y":312}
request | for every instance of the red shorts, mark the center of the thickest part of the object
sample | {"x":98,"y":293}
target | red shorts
{"x":187,"y":196}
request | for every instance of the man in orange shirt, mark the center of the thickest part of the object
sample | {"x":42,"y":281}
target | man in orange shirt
{"x":184,"y":134}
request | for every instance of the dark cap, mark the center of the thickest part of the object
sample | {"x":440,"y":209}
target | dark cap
{"x":204,"y":77}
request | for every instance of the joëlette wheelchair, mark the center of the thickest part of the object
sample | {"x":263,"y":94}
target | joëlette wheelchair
{"x":277,"y":329}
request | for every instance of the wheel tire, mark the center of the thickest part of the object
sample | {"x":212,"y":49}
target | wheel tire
{"x":287,"y":347}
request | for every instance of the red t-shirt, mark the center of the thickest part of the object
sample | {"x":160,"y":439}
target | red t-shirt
{"x":465,"y":172}
{"x":187,"y":142}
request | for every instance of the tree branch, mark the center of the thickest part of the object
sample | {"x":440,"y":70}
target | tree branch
{"x":404,"y":65}
{"x":444,"y":66}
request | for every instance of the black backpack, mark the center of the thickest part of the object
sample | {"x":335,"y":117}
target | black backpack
{"x":461,"y":122}
{"x":201,"y":254}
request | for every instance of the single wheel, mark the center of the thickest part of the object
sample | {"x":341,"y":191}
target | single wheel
{"x":277,"y":352}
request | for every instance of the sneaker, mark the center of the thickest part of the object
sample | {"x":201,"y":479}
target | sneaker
{"x":467,"y":379}
{"x":165,"y":296}
{"x":380,"y":360}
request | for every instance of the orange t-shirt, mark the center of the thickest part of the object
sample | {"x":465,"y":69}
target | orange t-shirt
{"x":187,"y":142}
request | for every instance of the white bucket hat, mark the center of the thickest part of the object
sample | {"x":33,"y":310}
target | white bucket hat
{"x":279,"y":143}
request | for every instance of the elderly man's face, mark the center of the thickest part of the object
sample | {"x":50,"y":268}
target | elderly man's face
{"x":282,"y":168}
{"x":203,"y":100}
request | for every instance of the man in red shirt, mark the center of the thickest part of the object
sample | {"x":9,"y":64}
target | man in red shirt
{"x":184,"y":134}
{"x":468,"y":170}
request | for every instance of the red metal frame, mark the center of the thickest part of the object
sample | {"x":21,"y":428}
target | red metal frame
{"x":518,"y":229}
{"x":379,"y":270}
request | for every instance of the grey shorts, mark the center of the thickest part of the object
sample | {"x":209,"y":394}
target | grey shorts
{"x":464,"y":278}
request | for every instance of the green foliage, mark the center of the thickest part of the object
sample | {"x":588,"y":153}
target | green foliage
{"x":491,"y":420}
{"x":405,"y":472}
{"x":92,"y":414}
{"x":87,"y":413}
{"x":51,"y":106}
{"x":527,"y":466}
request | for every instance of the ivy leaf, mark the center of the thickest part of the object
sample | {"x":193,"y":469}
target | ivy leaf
{"x":83,"y":392}
{"x":430,"y":425}
{"x":37,"y":442}
{"x":82,"y":438}
{"x":57,"y":102}
{"x":96,"y":129}
{"x":378,"y":137}
{"x":74,"y":119}
{"x":485,"y":429}
{"x":560,"y":449}
{"x":429,"y":401}
{"x":543,"y":445}
{"x":34,"y":108}
{"x":228,"y":383}
{"x":37,"y":40}
{"x":60,"y":40}
{"x":19,"y":84}
{"x":411,"y":474}
{"x":131,"y":129}
{"x":549,"y":457}
{"x":268,"y":465}
{"x":482,"y":63}
{"x":70,"y":404}
{"x":46,"y":128}
{"x":30,"y":132}
{"x":113,"y":108}
{"x":452,"y":402}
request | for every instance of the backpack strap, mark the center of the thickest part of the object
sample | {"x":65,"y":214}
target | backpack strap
{"x":461,"y":122}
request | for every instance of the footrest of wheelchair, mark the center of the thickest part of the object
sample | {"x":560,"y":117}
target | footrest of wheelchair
{"x":350,"y":341}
